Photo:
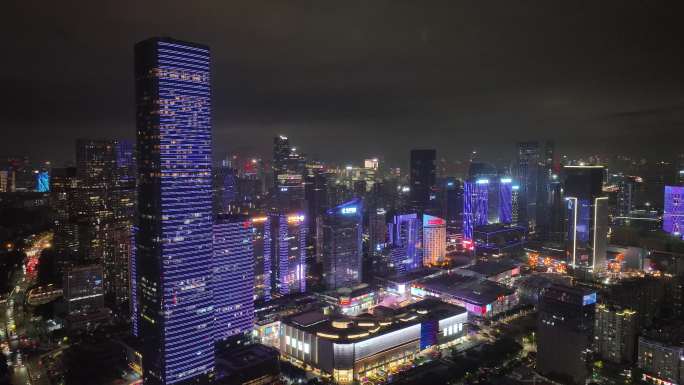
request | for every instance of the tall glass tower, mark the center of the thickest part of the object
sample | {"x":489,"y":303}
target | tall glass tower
{"x":342,"y":239}
{"x":233,"y":276}
{"x":173,"y":238}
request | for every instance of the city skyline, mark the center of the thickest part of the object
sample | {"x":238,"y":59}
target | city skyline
{"x":380,"y":193}
{"x":462,"y":77}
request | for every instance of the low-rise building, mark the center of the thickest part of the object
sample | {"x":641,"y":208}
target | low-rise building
{"x":352,"y":300}
{"x":661,"y":355}
{"x":348,"y":349}
{"x":482,"y":298}
{"x":503,"y":271}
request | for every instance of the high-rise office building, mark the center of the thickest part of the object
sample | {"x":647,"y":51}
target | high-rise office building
{"x":434,"y":240}
{"x":173,"y":237}
{"x":289,"y":167}
{"x":263,"y":268}
{"x":104,"y":210}
{"x":547,"y":170}
{"x":505,"y":195}
{"x":475,"y":206}
{"x":453,"y":201}
{"x":233,"y":276}
{"x":288,"y":252}
{"x":342,"y":245}
{"x":527,"y":173}
{"x":673,"y":215}
{"x":615,"y":333}
{"x":121,"y":198}
{"x":377,"y":230}
{"x":515,"y":204}
{"x":587,"y":217}
{"x":564,"y":333}
{"x":95,"y":167}
{"x":422,"y":178}
{"x":225,"y":189}
{"x":64,"y":202}
{"x":405,"y":233}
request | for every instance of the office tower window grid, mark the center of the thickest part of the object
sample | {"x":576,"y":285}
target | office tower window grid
{"x":174,"y":237}
{"x":233,"y":280}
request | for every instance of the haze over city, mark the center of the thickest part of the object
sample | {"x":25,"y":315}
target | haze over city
{"x":357,"y":193}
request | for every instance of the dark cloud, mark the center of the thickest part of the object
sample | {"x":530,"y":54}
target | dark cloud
{"x":351,"y":79}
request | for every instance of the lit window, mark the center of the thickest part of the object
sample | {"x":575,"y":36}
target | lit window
{"x":287,"y":340}
{"x":306,"y":348}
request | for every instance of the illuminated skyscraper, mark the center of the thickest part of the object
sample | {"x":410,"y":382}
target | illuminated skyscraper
{"x":64,"y":202}
{"x":475,"y":206}
{"x":342,"y":245}
{"x":546,"y":171}
{"x":434,"y":240}
{"x":233,"y":276}
{"x":453,"y":201}
{"x":527,"y":173}
{"x":288,"y":252}
{"x":587,"y":217}
{"x":405,"y":234}
{"x":261,"y":227}
{"x":289,"y":167}
{"x":505,"y":194}
{"x":173,"y":239}
{"x":422,"y":178}
{"x":377,"y":230}
{"x":515,"y":204}
{"x":673,"y":216}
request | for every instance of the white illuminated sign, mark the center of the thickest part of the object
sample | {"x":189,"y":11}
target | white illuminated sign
{"x":348,"y":210}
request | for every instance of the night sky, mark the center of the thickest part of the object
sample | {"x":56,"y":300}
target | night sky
{"x":347,"y":79}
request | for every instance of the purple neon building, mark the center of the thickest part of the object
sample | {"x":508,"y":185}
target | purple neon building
{"x":233,"y":281}
{"x":475,"y":206}
{"x":174,"y":220}
{"x":288,"y":234}
{"x":405,"y":232}
{"x":673,"y":215}
{"x":505,"y":195}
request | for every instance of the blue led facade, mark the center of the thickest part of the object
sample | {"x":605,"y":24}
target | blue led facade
{"x":174,"y":218}
{"x":475,"y":206}
{"x":481,"y":200}
{"x":43,"y":182}
{"x":233,"y":281}
{"x":342,"y":245}
{"x":468,"y":219}
{"x":505,"y":195}
{"x":288,"y":232}
{"x":673,"y":216}
{"x":405,"y":235}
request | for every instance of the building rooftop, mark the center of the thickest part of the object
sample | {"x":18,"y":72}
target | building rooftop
{"x":415,"y":275}
{"x":492,"y":268}
{"x":669,"y":332}
{"x":386,"y":320}
{"x":469,"y":289}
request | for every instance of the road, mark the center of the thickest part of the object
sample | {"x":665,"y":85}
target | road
{"x":15,"y":322}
